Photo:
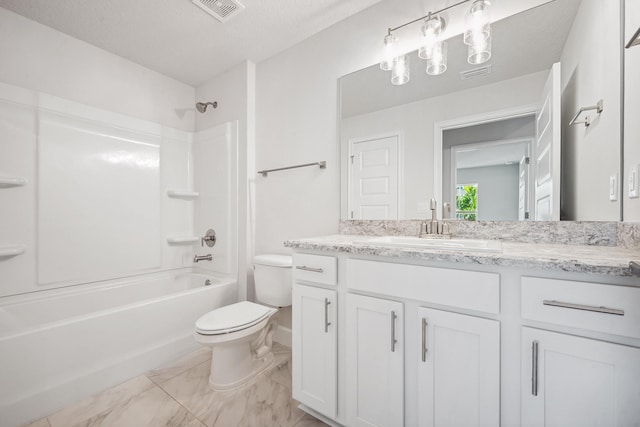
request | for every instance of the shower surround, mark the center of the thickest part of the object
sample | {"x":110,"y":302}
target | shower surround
{"x":98,"y":200}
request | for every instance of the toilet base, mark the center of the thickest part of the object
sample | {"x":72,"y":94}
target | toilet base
{"x":228,"y":372}
{"x":235,"y":363}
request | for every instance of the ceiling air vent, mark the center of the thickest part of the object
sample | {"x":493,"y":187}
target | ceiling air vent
{"x":222,"y":10}
{"x":476,"y":72}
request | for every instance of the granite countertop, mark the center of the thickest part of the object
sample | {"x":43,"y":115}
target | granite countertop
{"x":605,"y":260}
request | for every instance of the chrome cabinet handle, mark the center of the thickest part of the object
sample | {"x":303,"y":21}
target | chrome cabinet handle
{"x":393,"y":331}
{"x":424,"y":339}
{"x":326,"y":315}
{"x":600,"y":309}
{"x":534,"y":368}
{"x":305,"y":268}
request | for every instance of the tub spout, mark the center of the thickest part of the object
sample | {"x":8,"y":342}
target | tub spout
{"x":199,"y":258}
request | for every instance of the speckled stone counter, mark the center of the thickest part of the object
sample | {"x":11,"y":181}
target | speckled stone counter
{"x":604,"y":260}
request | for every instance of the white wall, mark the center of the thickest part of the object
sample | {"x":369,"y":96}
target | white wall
{"x":590,"y":72}
{"x":416,"y":123}
{"x":497,"y":191}
{"x":631,"y":108}
{"x":42,"y":59}
{"x":296,"y":115}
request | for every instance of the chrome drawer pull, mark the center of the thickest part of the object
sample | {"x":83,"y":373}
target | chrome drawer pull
{"x":424,"y":339}
{"x":393,"y":331}
{"x":305,"y":268}
{"x":534,"y":368}
{"x":600,"y":309}
{"x":326,"y":315}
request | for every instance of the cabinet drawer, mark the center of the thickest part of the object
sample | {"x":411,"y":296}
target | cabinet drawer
{"x":456,"y":288}
{"x":603,"y":308}
{"x":315,"y":268}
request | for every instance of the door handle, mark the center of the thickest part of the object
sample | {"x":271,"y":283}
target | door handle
{"x":326,"y":315}
{"x":534,"y":368}
{"x":305,"y":268}
{"x":393,"y":331}
{"x":425,"y":326}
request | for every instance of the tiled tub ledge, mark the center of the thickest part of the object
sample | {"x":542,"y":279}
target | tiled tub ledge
{"x":591,"y":259}
{"x":591,"y":233}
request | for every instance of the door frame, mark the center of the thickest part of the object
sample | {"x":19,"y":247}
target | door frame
{"x":351,"y":141}
{"x":466,"y":121}
{"x":508,"y":141}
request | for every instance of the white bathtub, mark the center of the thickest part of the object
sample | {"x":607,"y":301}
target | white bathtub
{"x":60,"y":346}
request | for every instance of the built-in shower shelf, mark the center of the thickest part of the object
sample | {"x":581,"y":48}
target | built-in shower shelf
{"x":11,"y":251}
{"x":186,"y":240}
{"x":183,"y":194}
{"x":8,"y":182}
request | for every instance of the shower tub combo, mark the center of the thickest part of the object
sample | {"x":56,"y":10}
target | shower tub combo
{"x":61,"y":345}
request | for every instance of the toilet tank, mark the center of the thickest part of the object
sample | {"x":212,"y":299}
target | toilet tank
{"x":272,"y":274}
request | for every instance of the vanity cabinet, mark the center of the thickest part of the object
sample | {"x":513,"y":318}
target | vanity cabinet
{"x":457,"y":362}
{"x":375,"y":361}
{"x":384,"y":341}
{"x":314,"y":335}
{"x":574,"y":381}
{"x":315,"y":348}
{"x":458,"y":370}
{"x":570,"y":380}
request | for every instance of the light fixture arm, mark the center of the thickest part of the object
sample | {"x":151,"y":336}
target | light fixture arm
{"x":427,"y":16}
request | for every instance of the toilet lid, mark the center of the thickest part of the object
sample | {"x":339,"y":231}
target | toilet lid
{"x":231,"y":318}
{"x":274,"y":260}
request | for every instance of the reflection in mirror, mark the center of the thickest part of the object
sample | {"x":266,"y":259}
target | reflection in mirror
{"x":501,"y":129}
{"x":497,"y":168}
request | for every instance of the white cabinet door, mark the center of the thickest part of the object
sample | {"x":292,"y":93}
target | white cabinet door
{"x":375,"y":362}
{"x":314,"y":341}
{"x":571,"y":381}
{"x":458,"y":370}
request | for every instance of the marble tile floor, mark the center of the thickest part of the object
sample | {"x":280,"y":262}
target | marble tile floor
{"x":179,"y":395}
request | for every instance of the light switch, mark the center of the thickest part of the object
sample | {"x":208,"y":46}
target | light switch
{"x":613,"y":187}
{"x":633,"y":182}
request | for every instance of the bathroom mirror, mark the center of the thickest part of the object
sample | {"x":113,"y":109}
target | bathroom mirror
{"x":472,"y":131}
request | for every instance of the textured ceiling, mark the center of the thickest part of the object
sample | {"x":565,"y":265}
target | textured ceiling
{"x":176,"y":38}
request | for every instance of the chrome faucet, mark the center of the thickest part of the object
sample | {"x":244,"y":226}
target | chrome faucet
{"x":434,"y":228}
{"x":207,"y":257}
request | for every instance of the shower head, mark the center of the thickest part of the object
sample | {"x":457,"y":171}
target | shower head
{"x":202,"y":106}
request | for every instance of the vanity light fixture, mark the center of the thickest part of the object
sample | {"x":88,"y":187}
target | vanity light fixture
{"x":477,"y":36}
{"x":400,"y":71}
{"x":389,"y":56}
{"x":433,"y":48}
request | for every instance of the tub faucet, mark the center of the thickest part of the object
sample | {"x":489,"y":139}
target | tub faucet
{"x":207,"y":257}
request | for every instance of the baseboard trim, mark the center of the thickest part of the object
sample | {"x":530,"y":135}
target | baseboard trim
{"x":283,"y":336}
{"x":319,"y":416}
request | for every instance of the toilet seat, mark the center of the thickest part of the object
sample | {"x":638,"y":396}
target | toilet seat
{"x":233,"y":318}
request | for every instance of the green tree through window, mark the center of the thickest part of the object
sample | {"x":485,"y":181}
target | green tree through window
{"x":467,"y":202}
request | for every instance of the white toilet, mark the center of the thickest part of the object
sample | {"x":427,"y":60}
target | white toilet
{"x":241,"y":334}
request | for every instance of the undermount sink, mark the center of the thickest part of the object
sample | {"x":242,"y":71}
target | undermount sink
{"x":437,"y":243}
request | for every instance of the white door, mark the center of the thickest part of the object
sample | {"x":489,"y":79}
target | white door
{"x":547,"y":151}
{"x":314,"y":341}
{"x":374,"y":189}
{"x":458,"y":370}
{"x":523,"y":189}
{"x":375,"y":362}
{"x":578,"y":382}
